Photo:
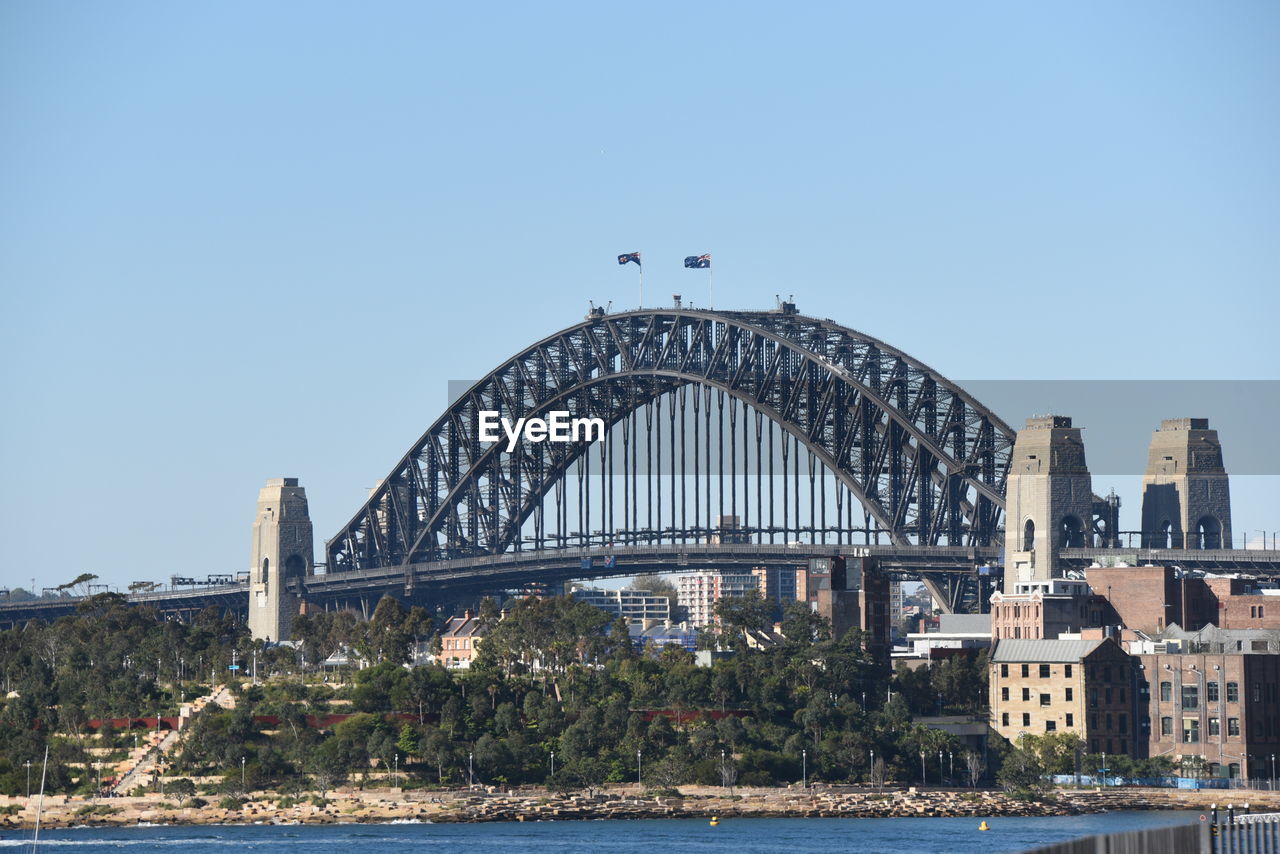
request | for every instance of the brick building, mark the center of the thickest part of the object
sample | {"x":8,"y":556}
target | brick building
{"x":459,"y":640}
{"x":1042,"y":610}
{"x":1152,"y":598}
{"x":1212,"y":694}
{"x":1086,"y":687}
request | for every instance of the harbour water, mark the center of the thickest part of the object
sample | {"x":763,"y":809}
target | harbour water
{"x":686,"y":836}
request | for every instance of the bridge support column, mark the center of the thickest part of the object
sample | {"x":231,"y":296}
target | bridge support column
{"x":1048,"y":499}
{"x":282,"y":550}
{"x":1186,"y":500}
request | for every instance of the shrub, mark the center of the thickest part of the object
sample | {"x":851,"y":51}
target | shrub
{"x":230,"y":803}
{"x":194,"y":803}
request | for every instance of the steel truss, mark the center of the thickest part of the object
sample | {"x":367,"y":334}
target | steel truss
{"x":926,"y":462}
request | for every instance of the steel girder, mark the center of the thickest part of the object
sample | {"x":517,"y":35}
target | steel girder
{"x":926,"y":460}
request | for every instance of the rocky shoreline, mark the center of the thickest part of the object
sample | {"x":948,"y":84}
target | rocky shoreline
{"x":385,"y":805}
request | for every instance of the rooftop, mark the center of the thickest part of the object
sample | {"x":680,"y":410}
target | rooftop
{"x":1044,"y":651}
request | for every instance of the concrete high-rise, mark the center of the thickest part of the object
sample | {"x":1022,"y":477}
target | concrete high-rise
{"x":282,"y":549}
{"x":1186,"y":501}
{"x":1048,"y":500}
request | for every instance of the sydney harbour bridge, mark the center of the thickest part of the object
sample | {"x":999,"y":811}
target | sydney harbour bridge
{"x":734,"y":439}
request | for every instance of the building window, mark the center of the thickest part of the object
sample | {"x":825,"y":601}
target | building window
{"x":1093,"y":699}
{"x":1004,"y":694}
{"x":1026,"y":719}
{"x":1233,"y":726}
{"x":1045,"y":700}
{"x":1166,"y":726}
{"x":1071,"y":719}
{"x":1109,"y":721}
{"x":1166,"y":692}
{"x":1026,"y":695}
{"x":1233,"y":692}
{"x":1257,"y":692}
{"x":1004,"y":671}
{"x":1190,"y":697}
{"x":1144,"y":727}
{"x":1026,"y":671}
{"x":1215,"y":726}
{"x":1068,"y":695}
{"x":1107,"y":693}
{"x":1190,"y":730}
{"x":1050,"y":726}
{"x":1004,"y":719}
{"x":1211,"y":692}
{"x":1144,"y":691}
{"x":1124,"y":722}
{"x":1044,"y":671}
{"x":1066,"y":671}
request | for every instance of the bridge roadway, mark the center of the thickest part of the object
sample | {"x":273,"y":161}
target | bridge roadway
{"x":951,"y":573}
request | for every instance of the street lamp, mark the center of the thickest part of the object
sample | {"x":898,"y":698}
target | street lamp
{"x":395,"y":772}
{"x":553,"y":763}
{"x":804,"y":767}
{"x":638,"y":766}
{"x":940,"y":780}
{"x":241,"y":772}
{"x":871,"y":768}
{"x":471,"y":774}
{"x":1273,"y":772}
{"x":922,"y":779}
{"x":723,"y":775}
{"x":28,"y":764}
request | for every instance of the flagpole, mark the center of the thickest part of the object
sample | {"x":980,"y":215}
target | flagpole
{"x":711,"y":272}
{"x":641,"y":266}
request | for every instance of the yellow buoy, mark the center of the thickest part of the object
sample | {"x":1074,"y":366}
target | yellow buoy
{"x":983,"y":826}
{"x":715,"y":821}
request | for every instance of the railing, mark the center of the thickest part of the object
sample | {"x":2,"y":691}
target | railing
{"x":1243,"y":833}
{"x":1174,"y":839}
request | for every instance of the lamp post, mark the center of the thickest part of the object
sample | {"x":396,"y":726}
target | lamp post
{"x":1273,"y":772}
{"x":804,"y":768}
{"x":723,"y":775}
{"x":395,"y":772}
{"x":242,"y":773}
{"x":871,"y":768}
{"x":940,"y":780}
{"x":638,"y":767}
{"x":922,"y":779}
{"x":951,"y":762}
{"x":28,"y":764}
{"x":471,"y":774}
{"x":1104,"y":769}
{"x":553,"y":763}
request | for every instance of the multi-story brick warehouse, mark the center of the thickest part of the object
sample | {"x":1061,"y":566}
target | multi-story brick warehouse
{"x":1213,"y":695}
{"x":1086,"y":687}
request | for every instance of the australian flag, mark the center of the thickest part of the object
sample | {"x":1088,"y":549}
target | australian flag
{"x":629,"y":258}
{"x":698,"y":262}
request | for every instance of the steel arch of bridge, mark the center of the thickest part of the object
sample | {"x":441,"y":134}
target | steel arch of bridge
{"x":926,"y":460}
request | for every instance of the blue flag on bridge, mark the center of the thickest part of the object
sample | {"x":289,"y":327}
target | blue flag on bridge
{"x":629,"y":258}
{"x":698,"y":262}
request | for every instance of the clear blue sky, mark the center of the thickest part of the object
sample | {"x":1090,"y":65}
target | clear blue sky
{"x":246,"y":240}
